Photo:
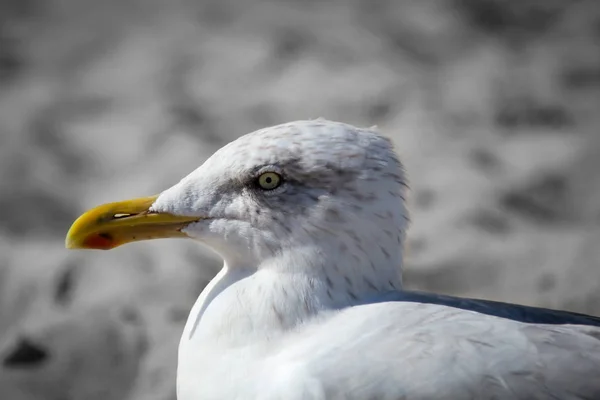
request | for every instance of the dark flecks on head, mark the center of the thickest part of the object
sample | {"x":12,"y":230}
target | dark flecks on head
{"x":353,"y":235}
{"x":278,"y":314}
{"x":356,"y":208}
{"x":329,"y":282}
{"x":380,"y":216}
{"x":369,"y":283}
{"x":360,"y":247}
{"x":385,"y":252}
{"x":348,"y":281}
{"x":388,"y":233}
{"x":333,"y":215}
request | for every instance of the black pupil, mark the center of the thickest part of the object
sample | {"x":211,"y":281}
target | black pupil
{"x":268,"y":181}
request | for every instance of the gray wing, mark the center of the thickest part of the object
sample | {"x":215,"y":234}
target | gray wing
{"x":515,"y":312}
{"x":409,"y":350}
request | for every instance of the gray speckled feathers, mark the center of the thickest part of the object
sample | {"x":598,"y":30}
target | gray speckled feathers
{"x":309,"y":304}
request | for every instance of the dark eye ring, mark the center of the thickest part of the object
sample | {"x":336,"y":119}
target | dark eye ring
{"x":269,"y":180}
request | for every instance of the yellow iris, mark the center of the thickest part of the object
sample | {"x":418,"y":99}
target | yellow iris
{"x":269,"y":180}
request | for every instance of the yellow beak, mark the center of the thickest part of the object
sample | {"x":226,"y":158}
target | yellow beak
{"x":114,"y":224}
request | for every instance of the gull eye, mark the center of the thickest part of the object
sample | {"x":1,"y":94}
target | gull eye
{"x":269,"y":180}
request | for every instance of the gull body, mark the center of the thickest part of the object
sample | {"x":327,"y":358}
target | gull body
{"x":309,"y":218}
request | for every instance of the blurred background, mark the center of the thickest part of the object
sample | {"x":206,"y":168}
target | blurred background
{"x":494,"y":107}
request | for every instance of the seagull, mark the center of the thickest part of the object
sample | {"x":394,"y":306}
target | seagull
{"x":310,"y":220}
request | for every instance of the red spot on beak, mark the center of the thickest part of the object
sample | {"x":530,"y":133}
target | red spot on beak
{"x":100,"y":242}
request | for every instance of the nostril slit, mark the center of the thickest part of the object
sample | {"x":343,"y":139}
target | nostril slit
{"x":123,"y":215}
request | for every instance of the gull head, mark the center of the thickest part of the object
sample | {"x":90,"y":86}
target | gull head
{"x":303,"y":190}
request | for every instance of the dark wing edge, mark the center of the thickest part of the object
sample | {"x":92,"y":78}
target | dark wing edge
{"x":516,"y":312}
